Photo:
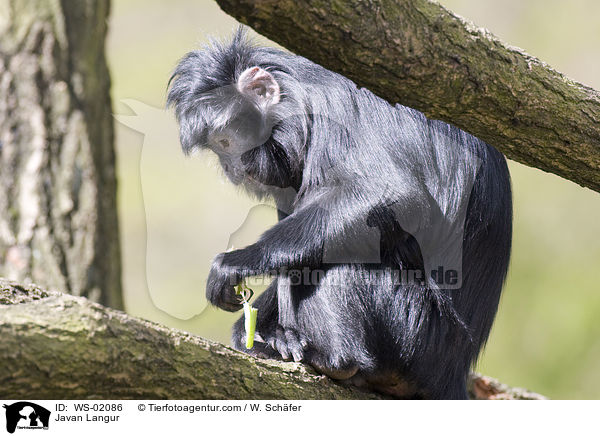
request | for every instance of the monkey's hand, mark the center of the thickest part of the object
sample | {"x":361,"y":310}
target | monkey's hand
{"x":220,"y":284}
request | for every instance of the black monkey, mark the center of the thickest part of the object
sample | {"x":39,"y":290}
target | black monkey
{"x":366,"y":192}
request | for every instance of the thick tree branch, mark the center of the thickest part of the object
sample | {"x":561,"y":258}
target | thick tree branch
{"x":56,"y":345}
{"x":418,"y":53}
{"x":58,"y":218}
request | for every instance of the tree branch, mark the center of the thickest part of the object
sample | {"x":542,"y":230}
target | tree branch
{"x":418,"y":53}
{"x":58,"y":201}
{"x":59,"y":346}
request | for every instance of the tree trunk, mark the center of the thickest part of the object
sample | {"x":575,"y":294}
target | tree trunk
{"x":58,"y":222}
{"x":58,"y":346}
{"x":418,"y":53}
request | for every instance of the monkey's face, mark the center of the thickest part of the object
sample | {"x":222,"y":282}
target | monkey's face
{"x":246,"y":128}
{"x":243,"y":120}
{"x":231,"y":120}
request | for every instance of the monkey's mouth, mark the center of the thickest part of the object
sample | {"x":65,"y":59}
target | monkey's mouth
{"x":240,"y":177}
{"x":235,"y":178}
{"x":249,"y":179}
{"x":252,"y":183}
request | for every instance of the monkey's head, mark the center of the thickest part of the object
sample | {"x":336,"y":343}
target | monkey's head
{"x":228,"y":112}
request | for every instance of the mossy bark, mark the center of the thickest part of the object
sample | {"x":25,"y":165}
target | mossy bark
{"x":58,"y":222}
{"x":59,"y":346}
{"x":417,"y":53}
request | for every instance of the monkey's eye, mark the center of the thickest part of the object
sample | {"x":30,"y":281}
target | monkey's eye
{"x":224,"y":143}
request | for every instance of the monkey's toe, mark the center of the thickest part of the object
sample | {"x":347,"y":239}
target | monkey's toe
{"x":289,"y":343}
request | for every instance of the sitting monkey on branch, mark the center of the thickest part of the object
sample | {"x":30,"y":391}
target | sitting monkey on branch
{"x":405,"y":221}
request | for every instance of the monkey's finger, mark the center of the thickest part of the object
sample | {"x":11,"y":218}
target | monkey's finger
{"x":228,"y":300}
{"x":229,"y":306}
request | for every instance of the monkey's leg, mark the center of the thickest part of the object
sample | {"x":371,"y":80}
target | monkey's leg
{"x":288,"y":340}
{"x":321,"y":318}
{"x":283,"y":338}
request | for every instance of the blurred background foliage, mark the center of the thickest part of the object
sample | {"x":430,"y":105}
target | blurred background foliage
{"x":176,"y":213}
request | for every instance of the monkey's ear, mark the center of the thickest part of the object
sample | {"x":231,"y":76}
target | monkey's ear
{"x":259,"y":85}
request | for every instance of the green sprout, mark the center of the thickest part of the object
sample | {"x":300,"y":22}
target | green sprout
{"x":250,"y":313}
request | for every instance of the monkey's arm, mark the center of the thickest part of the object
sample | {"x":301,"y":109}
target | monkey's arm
{"x":297,"y":241}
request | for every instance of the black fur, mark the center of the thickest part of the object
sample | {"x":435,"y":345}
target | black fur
{"x":342,"y":166}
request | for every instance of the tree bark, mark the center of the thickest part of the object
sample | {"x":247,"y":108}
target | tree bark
{"x":417,"y":53}
{"x":59,"y":346}
{"x":58,"y":222}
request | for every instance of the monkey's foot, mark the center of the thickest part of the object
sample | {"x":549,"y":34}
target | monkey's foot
{"x":289,"y":343}
{"x":342,"y":373}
